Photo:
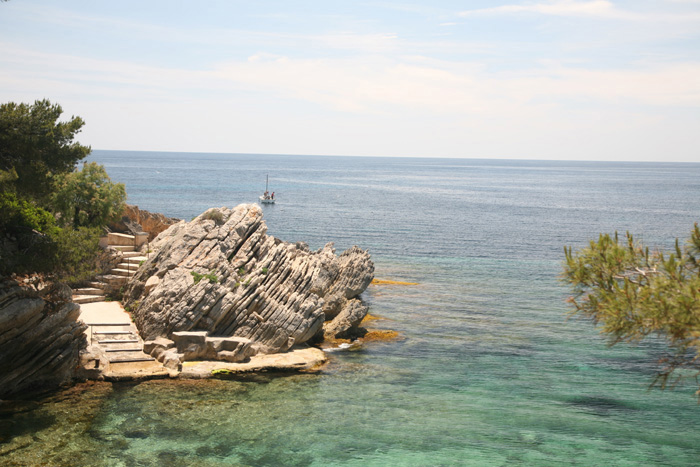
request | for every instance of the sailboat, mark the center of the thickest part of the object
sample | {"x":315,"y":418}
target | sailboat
{"x":267,"y":198}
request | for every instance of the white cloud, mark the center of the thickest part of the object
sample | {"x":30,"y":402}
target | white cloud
{"x":380,"y":85}
{"x":596,"y":8}
{"x":371,"y":84}
{"x":601,"y":9}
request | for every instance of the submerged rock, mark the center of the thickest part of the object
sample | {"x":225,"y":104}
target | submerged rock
{"x":221,"y":274}
{"x":40,"y":337}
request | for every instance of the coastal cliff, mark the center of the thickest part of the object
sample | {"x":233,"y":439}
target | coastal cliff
{"x":134,"y":220}
{"x":221,"y":288}
{"x":40,"y":337}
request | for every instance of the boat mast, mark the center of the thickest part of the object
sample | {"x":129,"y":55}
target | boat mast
{"x":267,"y":179}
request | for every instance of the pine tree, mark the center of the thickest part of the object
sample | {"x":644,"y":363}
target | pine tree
{"x":632,"y":293}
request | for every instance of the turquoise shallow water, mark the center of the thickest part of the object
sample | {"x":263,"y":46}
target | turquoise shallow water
{"x":489,"y":370}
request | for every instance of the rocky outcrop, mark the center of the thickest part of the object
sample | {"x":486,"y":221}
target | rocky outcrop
{"x":222,"y":275}
{"x":40,"y":337}
{"x":134,"y":220}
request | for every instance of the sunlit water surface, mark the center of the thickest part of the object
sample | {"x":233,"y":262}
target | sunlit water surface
{"x":489,"y":369}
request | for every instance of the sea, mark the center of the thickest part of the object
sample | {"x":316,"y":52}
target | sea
{"x":490,"y":367}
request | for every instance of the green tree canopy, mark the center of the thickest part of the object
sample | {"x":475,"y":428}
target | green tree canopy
{"x":633,"y":293}
{"x":39,"y":185}
{"x":35,"y":146}
{"x":87,"y":198}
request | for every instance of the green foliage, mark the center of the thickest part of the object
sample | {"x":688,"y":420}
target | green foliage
{"x":214,"y":215}
{"x":35,"y":146}
{"x":264,"y":271}
{"x":633,"y":293}
{"x":197,"y":276}
{"x":247,"y":283}
{"x":17,"y":215}
{"x":87,"y":197}
{"x":76,"y":254}
{"x":38,"y":156}
{"x":7,"y":177}
{"x":241,"y":271}
{"x":29,"y":236}
{"x":70,"y":255}
{"x":211,"y":277}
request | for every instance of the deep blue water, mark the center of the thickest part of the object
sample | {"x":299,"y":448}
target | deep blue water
{"x":490,"y":370}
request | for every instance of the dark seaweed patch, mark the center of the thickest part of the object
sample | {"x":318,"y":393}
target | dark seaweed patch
{"x":217,"y":450}
{"x":600,"y":405}
{"x":137,"y":434}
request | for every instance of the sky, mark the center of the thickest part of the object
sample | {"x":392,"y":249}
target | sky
{"x":508,"y":79}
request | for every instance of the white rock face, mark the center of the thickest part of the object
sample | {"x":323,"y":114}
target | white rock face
{"x":222,"y":274}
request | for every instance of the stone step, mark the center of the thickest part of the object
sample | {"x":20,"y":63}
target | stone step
{"x":113,"y":279}
{"x":118,"y":341}
{"x":124,"y":248}
{"x":110,"y":327}
{"x":128,"y":266}
{"x":128,"y":348}
{"x":130,"y":254}
{"x":122,"y":272}
{"x":131,"y":359}
{"x":102,"y":334}
{"x":89,"y":291}
{"x":82,"y":299}
{"x":135,"y":260}
{"x":97,"y":285}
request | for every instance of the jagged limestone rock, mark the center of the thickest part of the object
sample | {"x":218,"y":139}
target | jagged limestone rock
{"x":222,"y":274}
{"x":345,"y":324}
{"x":41,"y":338}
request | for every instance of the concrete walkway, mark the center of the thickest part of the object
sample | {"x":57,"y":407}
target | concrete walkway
{"x":104,"y":313}
{"x":110,"y":328}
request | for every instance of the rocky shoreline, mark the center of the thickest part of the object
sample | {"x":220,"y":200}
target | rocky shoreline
{"x":216,"y":296}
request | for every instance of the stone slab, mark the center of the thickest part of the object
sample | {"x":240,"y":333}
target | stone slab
{"x":294,"y":360}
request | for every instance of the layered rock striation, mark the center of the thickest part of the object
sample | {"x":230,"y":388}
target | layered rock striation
{"x":222,"y":275}
{"x":41,"y":337}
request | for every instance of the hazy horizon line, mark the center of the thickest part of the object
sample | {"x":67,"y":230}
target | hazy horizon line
{"x":403,"y":157}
